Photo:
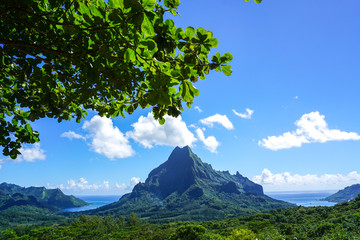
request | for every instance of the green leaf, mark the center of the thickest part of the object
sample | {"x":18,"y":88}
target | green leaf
{"x":149,"y":4}
{"x":83,"y":9}
{"x":130,"y":109}
{"x":258,"y":1}
{"x":95,"y":11}
{"x":28,"y":128}
{"x":147,"y":27}
{"x":213,"y":42}
{"x":129,"y":55}
{"x":201,"y":33}
{"x":189,"y":32}
{"x":180,"y":33}
{"x":226,"y":70}
{"x":116,"y":4}
{"x":194,"y":90}
{"x":190,"y":60}
{"x":227,"y":57}
{"x":134,"y":5}
{"x":161,"y":121}
{"x":172,"y":90}
{"x":164,"y":99}
{"x":185,"y":92}
{"x":172,"y":3}
{"x":216,"y":58}
{"x":14,"y":121}
{"x":170,"y":23}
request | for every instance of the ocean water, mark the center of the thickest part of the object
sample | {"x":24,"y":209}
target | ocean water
{"x":95,"y":202}
{"x":304,"y":198}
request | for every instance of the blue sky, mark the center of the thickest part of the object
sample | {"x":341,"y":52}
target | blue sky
{"x":288,"y":117}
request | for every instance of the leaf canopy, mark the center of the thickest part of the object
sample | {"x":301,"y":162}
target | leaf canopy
{"x":60,"y":58}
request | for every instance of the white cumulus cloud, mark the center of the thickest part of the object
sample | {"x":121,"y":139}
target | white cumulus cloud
{"x":210,"y":142}
{"x":290,"y":182}
{"x":107,"y":139}
{"x":311,"y":128}
{"x":217,"y":118}
{"x":246,"y":115}
{"x":82,"y":186}
{"x":128,"y":187}
{"x":31,"y":153}
{"x":72,"y":135}
{"x":148,"y":132}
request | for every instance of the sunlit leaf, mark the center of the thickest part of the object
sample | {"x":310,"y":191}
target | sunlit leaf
{"x":189,"y":32}
{"x":147,"y":27}
{"x":226,"y":70}
{"x":129,"y":55}
{"x":148,"y":4}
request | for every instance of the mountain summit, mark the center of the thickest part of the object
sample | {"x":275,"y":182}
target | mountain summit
{"x":184,"y":169}
{"x":185,"y":188}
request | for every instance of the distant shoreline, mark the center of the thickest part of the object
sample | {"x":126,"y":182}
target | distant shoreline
{"x":300,"y":191}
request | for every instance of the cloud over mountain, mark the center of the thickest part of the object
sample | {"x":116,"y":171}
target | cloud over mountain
{"x":148,"y":132}
{"x":106,"y":139}
{"x":83,"y":185}
{"x":210,"y":142}
{"x":311,"y":128}
{"x":128,"y":187}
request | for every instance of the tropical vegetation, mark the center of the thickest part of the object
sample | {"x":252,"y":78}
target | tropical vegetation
{"x":61,"y":58}
{"x":341,"y":221}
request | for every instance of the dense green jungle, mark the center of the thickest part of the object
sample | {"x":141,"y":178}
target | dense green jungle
{"x":341,"y":221}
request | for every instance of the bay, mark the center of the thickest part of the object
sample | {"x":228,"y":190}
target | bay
{"x":303,"y":198}
{"x":300,"y":198}
{"x":94,"y":202}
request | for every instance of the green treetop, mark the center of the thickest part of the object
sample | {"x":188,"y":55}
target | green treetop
{"x":59,"y":58}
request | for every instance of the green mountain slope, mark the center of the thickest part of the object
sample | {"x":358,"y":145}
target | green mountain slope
{"x":185,"y":188}
{"x":34,"y":205}
{"x":345,"y":195}
{"x":55,"y":199}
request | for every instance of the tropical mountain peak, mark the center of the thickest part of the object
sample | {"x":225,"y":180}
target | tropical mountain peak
{"x":183,"y":155}
{"x":184,"y":187}
{"x":177,"y":174}
{"x":184,"y":169}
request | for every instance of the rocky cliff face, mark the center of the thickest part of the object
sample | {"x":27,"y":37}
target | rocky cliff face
{"x":186,"y":188}
{"x":184,"y":169}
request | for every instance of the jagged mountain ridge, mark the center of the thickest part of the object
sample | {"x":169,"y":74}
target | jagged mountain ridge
{"x":55,"y":199}
{"x":185,"y":188}
{"x":184,"y":168}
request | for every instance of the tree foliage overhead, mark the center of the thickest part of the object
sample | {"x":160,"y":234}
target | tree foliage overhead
{"x":60,"y":58}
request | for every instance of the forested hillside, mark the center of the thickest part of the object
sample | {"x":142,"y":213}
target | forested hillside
{"x":345,"y":194}
{"x":341,"y":221}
